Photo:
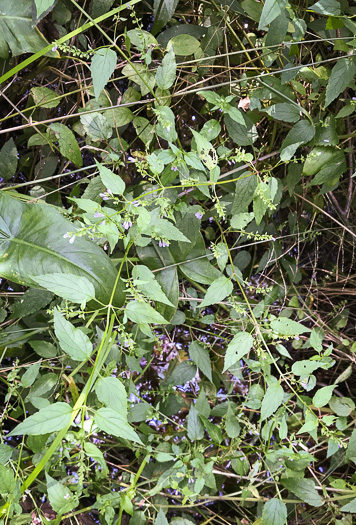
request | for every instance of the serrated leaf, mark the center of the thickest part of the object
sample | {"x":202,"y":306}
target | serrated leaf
{"x":112,"y":392}
{"x":140,"y":312}
{"x":301,"y":133}
{"x":285,"y":326}
{"x":166,"y":73}
{"x":200,"y":356}
{"x":111,"y":422}
{"x":270,"y":11}
{"x":5,"y":455}
{"x":326,"y":7}
{"x":145,"y":281}
{"x":31,"y":301}
{"x":47,"y":420}
{"x":212,"y":429}
{"x":303,"y":489}
{"x":71,"y":287}
{"x":349,"y":507}
{"x":45,"y":97}
{"x":102,"y":67}
{"x":30,"y":375}
{"x":244,"y":192}
{"x":163,"y":12}
{"x":274,"y":512}
{"x":238,"y":347}
{"x":181,"y":374}
{"x":8,"y":160}
{"x":68,"y":144}
{"x":7,"y":481}
{"x":218,"y":291}
{"x":285,"y":112}
{"x":112,"y":182}
{"x":161,"y":518}
{"x":341,"y":76}
{"x":271,"y":400}
{"x":195,"y":426}
{"x":60,"y":497}
{"x":72,"y":340}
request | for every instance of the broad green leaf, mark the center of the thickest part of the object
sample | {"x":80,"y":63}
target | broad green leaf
{"x":8,"y":160}
{"x":44,"y":348}
{"x":140,"y":312}
{"x":32,"y":243}
{"x":113,"y":182}
{"x":161,"y":518}
{"x":111,"y":422}
{"x":118,"y":117}
{"x":42,"y":6}
{"x":270,"y":11}
{"x":102,"y":67}
{"x":17,"y":32}
{"x":271,"y":400}
{"x":112,"y":392}
{"x":185,"y":45}
{"x":166,"y":73}
{"x":318,"y":158}
{"x":60,"y":497}
{"x":274,"y":512}
{"x":72,"y":340}
{"x":68,"y":144}
{"x":167,"y":230}
{"x":238,"y":347}
{"x":195,"y":426}
{"x":45,"y":97}
{"x":316,"y":339}
{"x":301,"y":133}
{"x":213,"y":430}
{"x":351,"y":448}
{"x":285,"y":326}
{"x":47,"y":420}
{"x":242,"y":135}
{"x":303,"y":489}
{"x":285,"y":112}
{"x":326,"y":7}
{"x":200,"y":356}
{"x":232,"y":424}
{"x":341,"y":76}
{"x":96,"y":126}
{"x":141,"y":39}
{"x":145,"y":281}
{"x":5,"y":454}
{"x":31,"y":301}
{"x":94,"y":452}
{"x":140,"y":76}
{"x":236,"y":115}
{"x":323,"y":395}
{"x":304,"y":368}
{"x":7,"y":481}
{"x":182,"y":373}
{"x":217,"y":291}
{"x":69,"y":286}
{"x":240,"y":220}
{"x":30,"y":375}
{"x":144,"y":130}
{"x":349,"y":507}
{"x":342,"y":406}
{"x":163,"y":11}
{"x":244,"y":192}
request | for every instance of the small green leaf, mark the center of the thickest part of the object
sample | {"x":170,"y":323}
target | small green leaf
{"x":274,"y":512}
{"x":94,"y":452}
{"x":72,"y":340}
{"x":60,"y":497}
{"x":102,"y":67}
{"x":349,"y":507}
{"x":238,"y":347}
{"x":303,"y":489}
{"x":5,"y":455}
{"x":351,"y":448}
{"x":7,"y":481}
{"x":326,"y":7}
{"x":145,"y":281}
{"x":213,"y":430}
{"x":30,"y":375}
{"x":163,"y":12}
{"x":232,"y":424}
{"x":111,"y":422}
{"x":200,"y":356}
{"x":161,"y":518}
{"x":182,"y":373}
{"x":113,"y":182}
{"x":285,"y":112}
{"x":42,"y":6}
{"x":301,"y":133}
{"x":217,"y":291}
{"x":271,"y":400}
{"x":323,"y":395}
{"x":8,"y":160}
{"x":45,"y":97}
{"x":270,"y":11}
{"x":139,"y":312}
{"x":112,"y":392}
{"x":71,"y":287}
{"x":185,"y":45}
{"x":68,"y":144}
{"x":166,"y":73}
{"x":47,"y":420}
{"x":285,"y":326}
{"x":97,"y":126}
{"x":195,"y":426}
{"x":341,"y":76}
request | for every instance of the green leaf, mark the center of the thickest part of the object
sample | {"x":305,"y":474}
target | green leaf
{"x":8,"y":160}
{"x":232,"y":424}
{"x":166,"y":73}
{"x":72,"y":340}
{"x":341,"y":76}
{"x":163,"y":11}
{"x":112,"y":182}
{"x":111,"y":422}
{"x":68,"y":144}
{"x":342,"y":406}
{"x":200,"y":356}
{"x":94,"y":452}
{"x":32,"y":244}
{"x":326,"y":7}
{"x":161,"y":518}
{"x":213,"y":430}
{"x":244,"y":192}
{"x":60,"y":497}
{"x":144,"y":130}
{"x":112,"y":392}
{"x":145,"y":281}
{"x":195,"y":426}
{"x":102,"y":67}
{"x":31,"y":301}
{"x":242,"y":135}
{"x":304,"y":368}
{"x":303,"y":489}
{"x":140,"y":76}
{"x":274,"y":512}
{"x":181,"y":374}
{"x":5,"y":455}
{"x":44,"y":348}
{"x":217,"y":291}
{"x":285,"y":326}
{"x":69,"y":286}
{"x":7,"y":481}
{"x":285,"y":112}
{"x":30,"y":375}
{"x":140,"y":312}
{"x":271,"y":400}
{"x":45,"y":97}
{"x":42,"y":6}
{"x":47,"y":420}
{"x":351,"y":448}
{"x":301,"y":133}
{"x":323,"y":395}
{"x":349,"y":507}
{"x":96,"y":126}
{"x":238,"y":347}
{"x":184,"y":45}
{"x":270,"y":11}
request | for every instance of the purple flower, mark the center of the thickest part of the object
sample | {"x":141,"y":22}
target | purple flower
{"x":131,"y":159}
{"x":198,"y":215}
{"x":163,"y":244}
{"x":174,"y":168}
{"x":54,"y":48}
{"x":104,"y":196}
{"x":98,"y":214}
{"x":66,"y":236}
{"x":135,"y":203}
{"x":127,"y":224}
{"x":67,"y":496}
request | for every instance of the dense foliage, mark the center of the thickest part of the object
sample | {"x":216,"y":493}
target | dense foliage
{"x":176,"y":262}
